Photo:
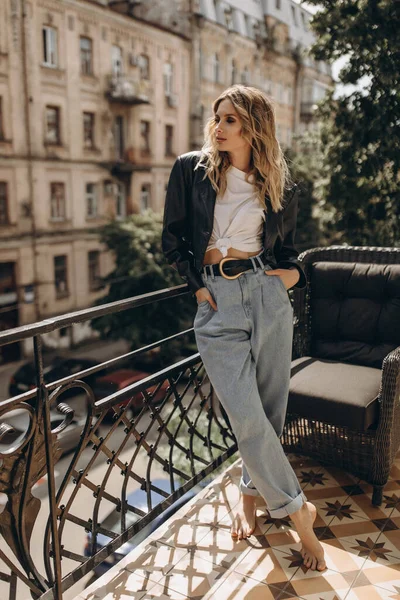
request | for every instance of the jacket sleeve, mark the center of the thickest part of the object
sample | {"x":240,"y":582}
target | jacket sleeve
{"x":175,"y":241}
{"x":288,"y":254}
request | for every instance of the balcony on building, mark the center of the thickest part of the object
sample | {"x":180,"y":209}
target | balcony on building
{"x":128,"y":90}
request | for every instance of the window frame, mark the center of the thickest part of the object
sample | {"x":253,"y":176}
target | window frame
{"x":144,"y":66}
{"x":63,"y":216}
{"x":92,"y":144}
{"x":120,"y":195}
{"x":50,"y":142}
{"x":91,"y":198}
{"x":168,"y":78}
{"x":145,"y":136}
{"x":169,"y":139}
{"x":2,"y":132}
{"x":6,"y":221}
{"x":216,"y":67}
{"x":94,"y":281}
{"x":116,"y":70}
{"x":145,"y":191}
{"x":49,"y":37}
{"x":83,"y":52}
{"x":63,"y":268}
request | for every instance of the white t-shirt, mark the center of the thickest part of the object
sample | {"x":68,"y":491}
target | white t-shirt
{"x":238,"y":216}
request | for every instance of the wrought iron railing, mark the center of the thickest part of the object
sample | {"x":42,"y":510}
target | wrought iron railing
{"x":185,"y":435}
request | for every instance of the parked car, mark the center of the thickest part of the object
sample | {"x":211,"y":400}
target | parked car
{"x":138,"y":498}
{"x":18,"y":419}
{"x":24,"y":378}
{"x":120,"y":379}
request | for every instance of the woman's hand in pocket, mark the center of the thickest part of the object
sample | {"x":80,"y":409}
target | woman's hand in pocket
{"x":203,"y":294}
{"x":289,"y":277}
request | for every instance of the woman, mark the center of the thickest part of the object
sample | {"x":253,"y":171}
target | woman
{"x":229,"y":225}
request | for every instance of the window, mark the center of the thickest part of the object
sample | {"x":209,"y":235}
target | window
{"x":119,"y":137}
{"x":145,"y":196}
{"x":57,"y":201}
{"x":3,"y":203}
{"x":91,"y":200}
{"x":88,"y":130}
{"x":144,"y":66}
{"x":145,"y":136}
{"x":86,"y":56}
{"x":169,"y":139}
{"x":116,"y":60}
{"x":61,"y":276}
{"x":52,"y":125}
{"x":49,"y":46}
{"x":245,"y":76}
{"x":290,"y":95}
{"x":294,"y":15}
{"x":2,"y":134}
{"x":120,"y":209}
{"x":278,"y":4}
{"x":94,"y":270}
{"x":168,"y":75}
{"x":229,"y":18}
{"x":233,"y":72}
{"x":215,"y":67}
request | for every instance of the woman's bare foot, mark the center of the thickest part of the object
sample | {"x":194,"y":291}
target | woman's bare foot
{"x":244,"y":521}
{"x":312,"y":550}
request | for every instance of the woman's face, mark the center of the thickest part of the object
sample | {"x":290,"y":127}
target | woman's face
{"x":228,"y":128}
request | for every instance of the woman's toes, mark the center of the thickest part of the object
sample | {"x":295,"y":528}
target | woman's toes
{"x":321,"y":565}
{"x":307,"y":560}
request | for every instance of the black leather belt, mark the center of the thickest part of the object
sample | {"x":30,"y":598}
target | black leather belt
{"x":230,"y":267}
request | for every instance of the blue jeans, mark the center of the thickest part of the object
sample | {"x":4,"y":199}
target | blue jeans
{"x":246,"y":348}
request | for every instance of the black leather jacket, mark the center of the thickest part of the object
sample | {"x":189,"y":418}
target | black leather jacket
{"x":188,"y":223}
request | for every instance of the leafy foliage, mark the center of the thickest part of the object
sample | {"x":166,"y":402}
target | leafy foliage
{"x":360,"y":132}
{"x":140,"y":268}
{"x":306,"y":169}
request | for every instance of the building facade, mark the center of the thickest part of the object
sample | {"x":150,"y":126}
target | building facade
{"x":97,"y":98}
{"x":264,"y":43}
{"x":89,"y":130}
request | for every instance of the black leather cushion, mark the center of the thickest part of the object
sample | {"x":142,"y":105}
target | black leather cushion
{"x":334,"y":392}
{"x":355,"y":311}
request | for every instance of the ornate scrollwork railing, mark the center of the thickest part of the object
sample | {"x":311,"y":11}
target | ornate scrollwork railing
{"x":179,"y":431}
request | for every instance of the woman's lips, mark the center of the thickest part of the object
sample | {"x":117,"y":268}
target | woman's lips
{"x":221,"y":140}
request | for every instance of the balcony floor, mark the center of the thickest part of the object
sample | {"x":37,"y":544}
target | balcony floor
{"x":193,"y":555}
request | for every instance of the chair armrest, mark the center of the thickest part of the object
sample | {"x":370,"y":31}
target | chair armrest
{"x":389,"y":401}
{"x":387,"y":437}
{"x":389,"y":393}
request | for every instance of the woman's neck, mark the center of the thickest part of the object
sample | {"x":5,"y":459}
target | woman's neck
{"x":240,"y":161}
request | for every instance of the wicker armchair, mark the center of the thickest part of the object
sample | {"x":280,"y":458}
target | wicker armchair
{"x":344,"y":399}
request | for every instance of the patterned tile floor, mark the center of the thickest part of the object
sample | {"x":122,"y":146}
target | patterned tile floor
{"x":193,"y":555}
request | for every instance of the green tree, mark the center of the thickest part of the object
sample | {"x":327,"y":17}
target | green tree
{"x":306,"y":169}
{"x":140,"y":268}
{"x":360,"y":131}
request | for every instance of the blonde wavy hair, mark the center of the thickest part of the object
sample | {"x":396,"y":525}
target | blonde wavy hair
{"x":267,"y":163}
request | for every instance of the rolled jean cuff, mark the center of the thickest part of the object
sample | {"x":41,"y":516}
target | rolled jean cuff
{"x":246,"y":490}
{"x":289,"y":508}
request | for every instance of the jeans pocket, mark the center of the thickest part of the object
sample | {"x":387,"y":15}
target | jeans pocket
{"x":203,"y":302}
{"x":281,"y":282}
